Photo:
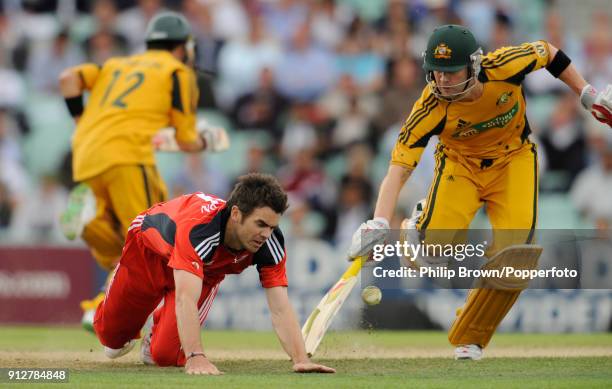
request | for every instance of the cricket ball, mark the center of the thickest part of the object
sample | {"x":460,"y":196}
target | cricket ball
{"x":371,"y":295}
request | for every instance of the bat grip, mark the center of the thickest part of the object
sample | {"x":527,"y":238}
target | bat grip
{"x":354,"y":269}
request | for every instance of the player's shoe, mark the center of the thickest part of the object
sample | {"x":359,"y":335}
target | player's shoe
{"x":145,"y":350}
{"x":145,"y":345}
{"x":80,"y":210}
{"x":89,"y":311}
{"x":114,"y":353}
{"x":468,"y":352}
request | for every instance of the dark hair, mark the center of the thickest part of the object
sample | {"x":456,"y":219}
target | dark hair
{"x":257,"y":190}
{"x":164,"y":45}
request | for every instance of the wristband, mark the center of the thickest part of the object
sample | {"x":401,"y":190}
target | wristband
{"x":195,"y":354}
{"x":75,"y":105}
{"x":558,"y":64}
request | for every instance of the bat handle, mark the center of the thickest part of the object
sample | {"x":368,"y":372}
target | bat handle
{"x":355,"y":267}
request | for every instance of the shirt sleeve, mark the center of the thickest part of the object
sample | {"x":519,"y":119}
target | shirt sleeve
{"x":184,"y":104}
{"x":270,"y":261}
{"x":89,"y":73}
{"x":272,"y":276}
{"x":428,"y":118}
{"x":512,"y":64}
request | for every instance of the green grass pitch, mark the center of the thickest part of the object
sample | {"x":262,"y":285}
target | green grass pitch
{"x":376,"y":359}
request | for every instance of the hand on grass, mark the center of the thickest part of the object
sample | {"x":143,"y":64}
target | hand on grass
{"x":309,"y":367}
{"x":200,"y":365}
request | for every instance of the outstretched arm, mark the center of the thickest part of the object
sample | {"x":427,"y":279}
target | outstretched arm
{"x":288,"y":331}
{"x":389,"y":191}
{"x":188,"y":289}
{"x":374,"y":231}
{"x":570,"y":75}
{"x":599,"y":104}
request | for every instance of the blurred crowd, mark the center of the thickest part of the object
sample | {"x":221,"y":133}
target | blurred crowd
{"x":315,"y":91}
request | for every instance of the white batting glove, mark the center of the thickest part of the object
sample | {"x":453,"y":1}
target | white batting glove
{"x":417,"y":211}
{"x":216,"y":138}
{"x":599,"y":104}
{"x":409,"y":232}
{"x":368,"y":235}
{"x":164,"y":140}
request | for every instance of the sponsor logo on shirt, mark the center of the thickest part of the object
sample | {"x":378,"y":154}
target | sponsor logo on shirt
{"x":499,"y":121}
{"x":503,"y":98}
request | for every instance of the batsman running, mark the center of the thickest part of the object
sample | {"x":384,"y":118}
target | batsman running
{"x":475,"y":104}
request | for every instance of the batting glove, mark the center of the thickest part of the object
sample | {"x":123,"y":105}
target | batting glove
{"x":216,"y":138}
{"x":598,"y":103}
{"x":368,"y":235}
{"x":164,"y":140}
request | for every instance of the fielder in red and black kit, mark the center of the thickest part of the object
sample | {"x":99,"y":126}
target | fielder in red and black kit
{"x":184,"y":234}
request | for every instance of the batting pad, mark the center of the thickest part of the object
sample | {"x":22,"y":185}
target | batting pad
{"x":518,"y":257}
{"x":483,"y":311}
{"x":486,"y":308}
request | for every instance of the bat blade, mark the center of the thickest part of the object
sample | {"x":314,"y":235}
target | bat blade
{"x":321,"y":317}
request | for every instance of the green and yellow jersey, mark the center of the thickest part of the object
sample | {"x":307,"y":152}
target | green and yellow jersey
{"x":131,"y":98}
{"x":488,"y":128}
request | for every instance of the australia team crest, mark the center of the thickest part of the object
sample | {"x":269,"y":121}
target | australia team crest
{"x":442,"y":51}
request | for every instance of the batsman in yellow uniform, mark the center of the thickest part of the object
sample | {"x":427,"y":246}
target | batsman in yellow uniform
{"x":475,"y":104}
{"x":130,"y":100}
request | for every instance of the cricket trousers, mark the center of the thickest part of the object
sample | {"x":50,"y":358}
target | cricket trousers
{"x":142,"y":280}
{"x":508,"y":187}
{"x":121,"y":192}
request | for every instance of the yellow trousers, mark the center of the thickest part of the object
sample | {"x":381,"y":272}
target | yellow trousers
{"x":508,"y":187}
{"x":121,"y":192}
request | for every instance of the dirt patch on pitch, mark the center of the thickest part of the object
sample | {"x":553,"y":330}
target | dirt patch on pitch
{"x":96,"y":360}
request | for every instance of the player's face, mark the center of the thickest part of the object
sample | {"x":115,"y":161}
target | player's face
{"x":446,"y":80}
{"x":255,"y":229}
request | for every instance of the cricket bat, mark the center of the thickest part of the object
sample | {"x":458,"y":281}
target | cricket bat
{"x":319,"y":320}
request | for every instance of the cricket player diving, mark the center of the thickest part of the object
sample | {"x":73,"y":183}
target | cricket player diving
{"x":177,"y":253}
{"x":130,"y":99}
{"x":474,"y":103}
